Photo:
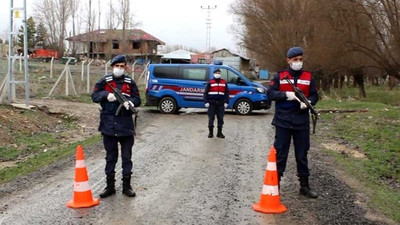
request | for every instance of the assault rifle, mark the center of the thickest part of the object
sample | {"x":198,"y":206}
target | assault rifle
{"x":121,"y":99}
{"x":302,"y":98}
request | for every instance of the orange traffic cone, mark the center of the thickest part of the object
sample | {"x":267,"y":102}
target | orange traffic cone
{"x":82,"y":193}
{"x":270,"y":200}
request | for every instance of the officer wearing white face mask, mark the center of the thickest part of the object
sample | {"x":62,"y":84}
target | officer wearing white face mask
{"x":291,"y":118}
{"x":216,"y":99}
{"x":117,"y":128}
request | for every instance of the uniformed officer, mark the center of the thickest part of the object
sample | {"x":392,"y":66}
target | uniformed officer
{"x":292,"y":117}
{"x":216,"y":99}
{"x":117,"y":128}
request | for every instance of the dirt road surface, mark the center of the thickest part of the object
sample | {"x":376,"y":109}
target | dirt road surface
{"x":182,"y":177}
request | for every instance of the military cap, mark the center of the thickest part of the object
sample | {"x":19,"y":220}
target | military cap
{"x":118,"y":59}
{"x":294,"y":51}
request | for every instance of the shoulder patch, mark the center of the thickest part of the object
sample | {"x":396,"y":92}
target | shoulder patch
{"x":128,"y":80}
{"x":108,"y":78}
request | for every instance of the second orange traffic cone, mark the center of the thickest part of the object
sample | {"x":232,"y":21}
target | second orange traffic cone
{"x":82,"y":194}
{"x":270,"y":199}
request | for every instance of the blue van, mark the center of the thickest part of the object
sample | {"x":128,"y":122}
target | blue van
{"x":171,"y":87}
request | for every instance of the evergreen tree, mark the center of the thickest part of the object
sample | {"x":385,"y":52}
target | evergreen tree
{"x":31,"y":31}
{"x":41,"y":35}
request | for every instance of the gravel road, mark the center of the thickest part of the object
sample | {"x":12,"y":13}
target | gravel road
{"x":182,"y":177}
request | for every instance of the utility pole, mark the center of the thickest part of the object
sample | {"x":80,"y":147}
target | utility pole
{"x":11,"y":57}
{"x":208,"y":25}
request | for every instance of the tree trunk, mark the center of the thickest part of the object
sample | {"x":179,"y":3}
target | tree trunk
{"x":359,"y":80}
{"x":325,"y":81}
{"x":392,"y":82}
{"x":335,"y":79}
{"x":342,"y":78}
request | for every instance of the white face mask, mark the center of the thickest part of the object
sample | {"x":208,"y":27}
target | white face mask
{"x":217,"y":75}
{"x":296,"y":65}
{"x":118,"y":72}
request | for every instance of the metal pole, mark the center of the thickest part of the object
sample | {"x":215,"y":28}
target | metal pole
{"x":67,"y":78}
{"x":27,"y":88}
{"x":83,"y":69}
{"x":88,"y":76}
{"x":72,"y":81}
{"x":10,"y":54}
{"x":58,"y":80}
{"x":51,"y":67}
{"x":106,"y":67}
{"x":133,"y":70}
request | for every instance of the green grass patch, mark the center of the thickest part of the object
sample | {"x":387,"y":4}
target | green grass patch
{"x":43,"y":158}
{"x":376,"y":133}
{"x":383,"y":197}
{"x":142,"y":92}
{"x":379,"y":94}
{"x":26,"y":145}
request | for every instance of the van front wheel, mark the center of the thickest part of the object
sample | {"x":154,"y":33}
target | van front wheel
{"x":243,"y":107}
{"x":167,"y":105}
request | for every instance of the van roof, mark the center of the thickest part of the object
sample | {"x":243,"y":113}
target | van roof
{"x":190,"y":65}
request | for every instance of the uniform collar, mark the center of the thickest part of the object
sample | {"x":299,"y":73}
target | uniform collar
{"x":295,"y":73}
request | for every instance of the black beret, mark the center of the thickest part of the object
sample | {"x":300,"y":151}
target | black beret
{"x":294,"y":51}
{"x":118,"y":59}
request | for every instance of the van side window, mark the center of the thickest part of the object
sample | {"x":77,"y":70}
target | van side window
{"x":166,"y":72}
{"x":229,"y":76}
{"x":194,"y":73}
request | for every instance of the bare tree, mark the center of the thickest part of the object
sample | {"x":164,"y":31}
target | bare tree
{"x":124,"y":15}
{"x":55,"y":15}
{"x":74,"y":14}
{"x":111,"y":17}
{"x":271,"y":27}
{"x":91,"y":21}
{"x":339,"y":37}
{"x":383,"y":28}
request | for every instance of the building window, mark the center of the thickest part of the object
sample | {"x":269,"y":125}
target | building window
{"x":115,"y":44}
{"x":135,"y":45}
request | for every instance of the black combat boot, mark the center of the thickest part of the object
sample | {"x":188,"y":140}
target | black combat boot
{"x":126,"y":186}
{"x":219,"y":134}
{"x":110,"y":189}
{"x":211,"y":132}
{"x":305,"y":188}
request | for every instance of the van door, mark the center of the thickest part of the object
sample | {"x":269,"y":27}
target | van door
{"x":236,"y":87}
{"x":192,"y":89}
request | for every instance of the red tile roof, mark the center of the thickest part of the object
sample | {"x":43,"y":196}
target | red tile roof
{"x":104,"y":35}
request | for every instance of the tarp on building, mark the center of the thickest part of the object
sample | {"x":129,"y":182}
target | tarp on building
{"x":178,"y":54}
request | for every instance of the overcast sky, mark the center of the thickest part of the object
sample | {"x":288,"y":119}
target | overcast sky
{"x":180,"y":22}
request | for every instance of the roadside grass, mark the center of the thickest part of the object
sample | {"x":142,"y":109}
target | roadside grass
{"x":86,"y":98}
{"x":27,"y":144}
{"x":43,"y":158}
{"x":375,"y":133}
{"x":379,"y":94}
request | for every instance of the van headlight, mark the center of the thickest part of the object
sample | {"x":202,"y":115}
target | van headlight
{"x":260,"y":90}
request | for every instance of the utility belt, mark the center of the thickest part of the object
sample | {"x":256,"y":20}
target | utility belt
{"x":216,"y":101}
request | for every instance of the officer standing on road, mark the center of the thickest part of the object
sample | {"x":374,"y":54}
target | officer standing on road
{"x":292,"y":117}
{"x":117,"y":128}
{"x":216,"y":98}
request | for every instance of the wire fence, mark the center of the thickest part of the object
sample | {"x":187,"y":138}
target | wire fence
{"x":41,"y":82}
